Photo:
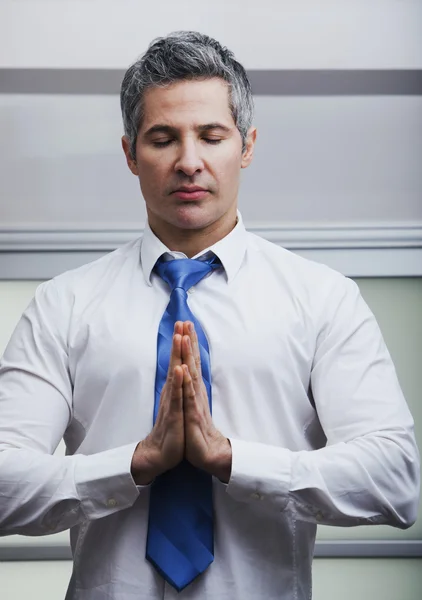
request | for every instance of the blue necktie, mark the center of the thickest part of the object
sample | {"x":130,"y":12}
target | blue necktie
{"x":180,"y":526}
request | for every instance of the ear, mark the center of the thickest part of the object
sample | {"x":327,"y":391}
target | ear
{"x":250,"y":144}
{"x":131,"y":163}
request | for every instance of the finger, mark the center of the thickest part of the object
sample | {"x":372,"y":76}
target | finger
{"x":178,"y":327}
{"x":175,"y":354}
{"x":177,"y":389}
{"x":188,"y":388}
{"x":188,"y":359}
{"x":195,"y":346}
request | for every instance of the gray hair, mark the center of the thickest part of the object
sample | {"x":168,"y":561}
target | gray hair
{"x":184,"y":55}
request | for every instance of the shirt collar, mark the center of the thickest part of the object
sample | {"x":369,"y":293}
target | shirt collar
{"x":230,"y":250}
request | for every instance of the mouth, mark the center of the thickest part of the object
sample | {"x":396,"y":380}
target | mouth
{"x":194,"y":193}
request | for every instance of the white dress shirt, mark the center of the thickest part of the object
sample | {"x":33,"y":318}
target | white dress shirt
{"x":303,"y":386}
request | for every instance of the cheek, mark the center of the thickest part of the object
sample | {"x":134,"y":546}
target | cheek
{"x":150,"y":174}
{"x":228,"y":170}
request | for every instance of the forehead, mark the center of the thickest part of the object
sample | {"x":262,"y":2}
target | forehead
{"x":184,"y":102}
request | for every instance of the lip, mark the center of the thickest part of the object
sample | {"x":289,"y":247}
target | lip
{"x":194,"y":193}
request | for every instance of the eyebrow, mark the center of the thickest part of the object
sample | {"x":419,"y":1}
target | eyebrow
{"x":161,"y":128}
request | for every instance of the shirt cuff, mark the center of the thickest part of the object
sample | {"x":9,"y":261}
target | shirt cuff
{"x":104,"y":481}
{"x":260,"y":473}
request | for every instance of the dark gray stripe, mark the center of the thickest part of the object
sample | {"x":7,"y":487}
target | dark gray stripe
{"x":323,"y":549}
{"x":39,"y":552}
{"x":337,"y":83}
{"x":60,"y":81}
{"x":369,"y":549}
{"x":406,"y":82}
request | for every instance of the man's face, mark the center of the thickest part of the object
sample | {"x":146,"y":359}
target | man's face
{"x":188,"y":138}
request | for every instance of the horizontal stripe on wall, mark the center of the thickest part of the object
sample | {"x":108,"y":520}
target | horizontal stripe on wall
{"x":323,"y":549}
{"x":313,"y":236}
{"x":280,"y":82}
{"x":360,"y":250}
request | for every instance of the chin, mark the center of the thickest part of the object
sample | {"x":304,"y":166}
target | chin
{"x":192,"y":216}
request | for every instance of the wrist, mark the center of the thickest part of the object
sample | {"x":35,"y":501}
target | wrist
{"x":145,"y":465}
{"x":221,"y":464}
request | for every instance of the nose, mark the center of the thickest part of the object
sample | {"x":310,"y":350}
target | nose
{"x":189,"y":160}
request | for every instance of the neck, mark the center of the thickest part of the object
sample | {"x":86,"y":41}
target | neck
{"x":192,"y":241}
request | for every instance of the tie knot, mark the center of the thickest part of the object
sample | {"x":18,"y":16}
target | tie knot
{"x":185,"y":272}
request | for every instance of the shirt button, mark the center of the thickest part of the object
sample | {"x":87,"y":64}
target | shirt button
{"x":319,"y":516}
{"x":111,"y":503}
{"x":256,"y":496}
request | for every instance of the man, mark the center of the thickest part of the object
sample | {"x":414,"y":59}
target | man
{"x":218,"y":395}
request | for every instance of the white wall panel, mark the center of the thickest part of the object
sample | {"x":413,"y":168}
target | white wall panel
{"x":367,"y":579}
{"x":335,"y":159}
{"x":268,"y":34}
{"x":329,"y":159}
{"x":350,"y":579}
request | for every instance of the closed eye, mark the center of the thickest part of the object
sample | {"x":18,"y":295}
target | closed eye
{"x":168,"y":142}
{"x":161,"y":144}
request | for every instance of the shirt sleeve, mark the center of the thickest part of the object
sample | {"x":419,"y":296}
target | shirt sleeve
{"x":368,"y":472}
{"x":41,"y":493}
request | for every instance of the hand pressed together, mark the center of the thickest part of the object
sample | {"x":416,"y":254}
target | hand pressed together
{"x":184,"y":427}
